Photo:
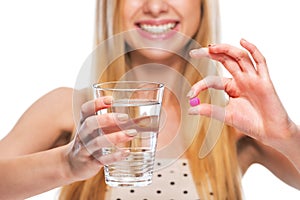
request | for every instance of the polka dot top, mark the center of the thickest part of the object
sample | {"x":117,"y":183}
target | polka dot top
{"x":174,"y":182}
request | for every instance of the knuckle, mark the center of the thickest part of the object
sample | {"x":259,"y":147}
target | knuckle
{"x":98,"y":103}
{"x":84,"y":108}
{"x":263,"y":60}
{"x":210,"y":80}
{"x":109,"y":140}
{"x":253,"y":48}
{"x":241,"y":55}
{"x":89,"y":124}
{"x":226,"y":48}
{"x":115,"y":157}
{"x":222,"y":60}
{"x":98,"y":142}
{"x":117,"y":138}
{"x":103,"y":120}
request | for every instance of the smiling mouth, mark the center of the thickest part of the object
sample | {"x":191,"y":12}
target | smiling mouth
{"x":158,"y":29}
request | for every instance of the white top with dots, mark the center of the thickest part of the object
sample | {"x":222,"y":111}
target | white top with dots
{"x":174,"y":182}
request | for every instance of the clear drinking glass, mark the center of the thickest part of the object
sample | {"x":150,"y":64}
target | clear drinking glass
{"x":141,"y":101}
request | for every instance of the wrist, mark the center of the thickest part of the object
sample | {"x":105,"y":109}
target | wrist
{"x":65,"y":169}
{"x":289,"y":144}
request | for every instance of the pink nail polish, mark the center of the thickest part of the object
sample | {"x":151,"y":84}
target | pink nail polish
{"x":194,"y":101}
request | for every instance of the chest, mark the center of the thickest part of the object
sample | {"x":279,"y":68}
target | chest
{"x":172,"y":179}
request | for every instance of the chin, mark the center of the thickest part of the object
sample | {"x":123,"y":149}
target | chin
{"x":152,"y":55}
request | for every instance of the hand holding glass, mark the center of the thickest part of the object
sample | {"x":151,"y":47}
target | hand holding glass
{"x":141,"y":101}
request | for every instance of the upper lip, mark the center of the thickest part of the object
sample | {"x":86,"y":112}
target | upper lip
{"x":156,"y":22}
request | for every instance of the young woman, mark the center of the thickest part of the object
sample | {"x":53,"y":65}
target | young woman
{"x":220,"y":171}
{"x":202,"y":159}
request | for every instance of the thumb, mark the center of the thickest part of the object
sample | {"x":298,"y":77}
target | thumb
{"x":208,"y":110}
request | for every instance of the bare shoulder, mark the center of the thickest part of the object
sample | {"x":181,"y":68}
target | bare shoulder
{"x":57,"y":106}
{"x":57,"y":102}
{"x":59,"y":92}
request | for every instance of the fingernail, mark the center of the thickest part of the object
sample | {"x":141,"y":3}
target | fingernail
{"x":194,"y":51}
{"x":194,"y":101}
{"x":193,"y":111}
{"x":198,"y":52}
{"x":190,"y":94}
{"x":107,"y":100}
{"x":131,"y":132}
{"x":122,"y":117}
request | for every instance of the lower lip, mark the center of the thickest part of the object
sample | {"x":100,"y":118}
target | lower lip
{"x":161,"y":36}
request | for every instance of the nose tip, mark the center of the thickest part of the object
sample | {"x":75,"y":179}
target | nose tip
{"x":155,"y":7}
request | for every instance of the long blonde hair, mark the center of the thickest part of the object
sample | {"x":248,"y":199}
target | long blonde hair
{"x":216,"y":176}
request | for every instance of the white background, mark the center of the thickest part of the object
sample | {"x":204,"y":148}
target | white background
{"x":44,"y":43}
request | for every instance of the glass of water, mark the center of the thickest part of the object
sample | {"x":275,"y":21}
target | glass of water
{"x":141,"y":101}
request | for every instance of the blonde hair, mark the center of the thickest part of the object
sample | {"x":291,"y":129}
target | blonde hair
{"x":218,"y":172}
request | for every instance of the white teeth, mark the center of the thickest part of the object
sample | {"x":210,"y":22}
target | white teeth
{"x":157,"y":29}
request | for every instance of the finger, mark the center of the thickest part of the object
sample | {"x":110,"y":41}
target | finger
{"x":208,"y":110}
{"x":142,"y":124}
{"x":110,"y":140}
{"x":215,"y":82}
{"x":257,"y":56}
{"x":78,"y":146}
{"x":86,"y":138}
{"x":91,"y":107}
{"x":199,"y":53}
{"x":96,"y":122}
{"x":230,"y":64}
{"x":112,"y":158}
{"x":240,"y":56}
